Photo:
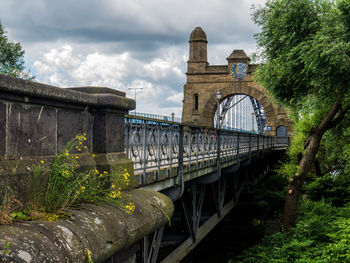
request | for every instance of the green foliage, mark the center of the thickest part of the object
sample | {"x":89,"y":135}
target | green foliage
{"x":310,"y":112}
{"x":68,"y":185}
{"x":304,"y":50}
{"x":338,"y":250}
{"x":5,"y":251}
{"x":321,"y":235}
{"x":333,"y":188}
{"x":11,"y":57}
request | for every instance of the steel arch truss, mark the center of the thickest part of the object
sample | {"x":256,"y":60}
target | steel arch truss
{"x":259,"y":114}
{"x":257,"y":107}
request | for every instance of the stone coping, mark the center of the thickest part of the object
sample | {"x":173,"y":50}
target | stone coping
{"x":103,"y":229}
{"x":107,"y":99}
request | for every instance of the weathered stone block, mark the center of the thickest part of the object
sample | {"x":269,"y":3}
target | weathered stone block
{"x":31,"y":130}
{"x":71,"y":123}
{"x":108,"y":132}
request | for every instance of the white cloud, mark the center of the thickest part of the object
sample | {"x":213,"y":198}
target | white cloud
{"x":177,"y":98}
{"x":160,"y":68}
{"x":65,"y":67}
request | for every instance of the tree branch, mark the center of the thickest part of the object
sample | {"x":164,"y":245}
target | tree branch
{"x":339,"y":117}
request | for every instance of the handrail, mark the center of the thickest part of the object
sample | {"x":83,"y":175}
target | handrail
{"x":154,"y":145}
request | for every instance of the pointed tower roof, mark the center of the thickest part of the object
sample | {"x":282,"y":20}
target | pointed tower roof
{"x":238,"y":55}
{"x":198,"y":35}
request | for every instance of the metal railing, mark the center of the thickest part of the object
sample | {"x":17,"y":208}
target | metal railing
{"x":155,"y":116}
{"x":154,"y":145}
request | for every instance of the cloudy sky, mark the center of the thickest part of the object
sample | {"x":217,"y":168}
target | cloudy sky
{"x":126,"y":44}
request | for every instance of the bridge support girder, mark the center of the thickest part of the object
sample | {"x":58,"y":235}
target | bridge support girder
{"x":193,"y":208}
{"x":150,"y":250}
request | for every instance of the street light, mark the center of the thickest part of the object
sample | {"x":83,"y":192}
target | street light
{"x":218,"y":97}
{"x":218,"y":167}
{"x":135,"y":88}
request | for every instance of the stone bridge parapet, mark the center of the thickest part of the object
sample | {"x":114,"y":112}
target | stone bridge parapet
{"x":38,"y":120}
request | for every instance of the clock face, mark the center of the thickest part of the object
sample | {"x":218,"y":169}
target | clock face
{"x":238,"y":70}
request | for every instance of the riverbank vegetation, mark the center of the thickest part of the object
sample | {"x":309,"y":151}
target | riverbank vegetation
{"x":322,"y":232}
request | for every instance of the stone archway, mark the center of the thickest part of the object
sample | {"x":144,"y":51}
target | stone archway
{"x":204,"y":80}
{"x":242,"y":89}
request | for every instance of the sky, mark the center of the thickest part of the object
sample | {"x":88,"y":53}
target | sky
{"x":124,"y":45}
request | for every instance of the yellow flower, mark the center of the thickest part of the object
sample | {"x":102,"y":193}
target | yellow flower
{"x":93,"y":155}
{"x":83,"y":188}
{"x":96,"y":171}
{"x":67,"y":154}
{"x":76,"y":157}
{"x":113,"y":194}
{"x":130,"y":208}
{"x":85,"y":147}
{"x":42,"y":161}
{"x":105,"y":172}
{"x":113,"y":186}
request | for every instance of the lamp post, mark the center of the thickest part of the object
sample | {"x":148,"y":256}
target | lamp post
{"x":218,"y":167}
{"x":218,"y":97}
{"x":253,"y":114}
{"x":135,"y":88}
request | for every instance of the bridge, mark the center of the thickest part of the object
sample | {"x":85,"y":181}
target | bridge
{"x":183,"y":161}
{"x":200,"y":164}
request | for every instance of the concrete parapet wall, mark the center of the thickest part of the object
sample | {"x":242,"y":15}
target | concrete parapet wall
{"x":104,"y":229}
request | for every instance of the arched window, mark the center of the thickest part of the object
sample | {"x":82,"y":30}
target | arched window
{"x":195,"y":101}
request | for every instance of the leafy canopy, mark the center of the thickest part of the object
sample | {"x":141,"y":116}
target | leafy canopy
{"x":11,"y":57}
{"x":305,"y":49}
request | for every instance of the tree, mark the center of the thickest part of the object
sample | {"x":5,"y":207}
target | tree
{"x":11,"y":57}
{"x":306,"y":51}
